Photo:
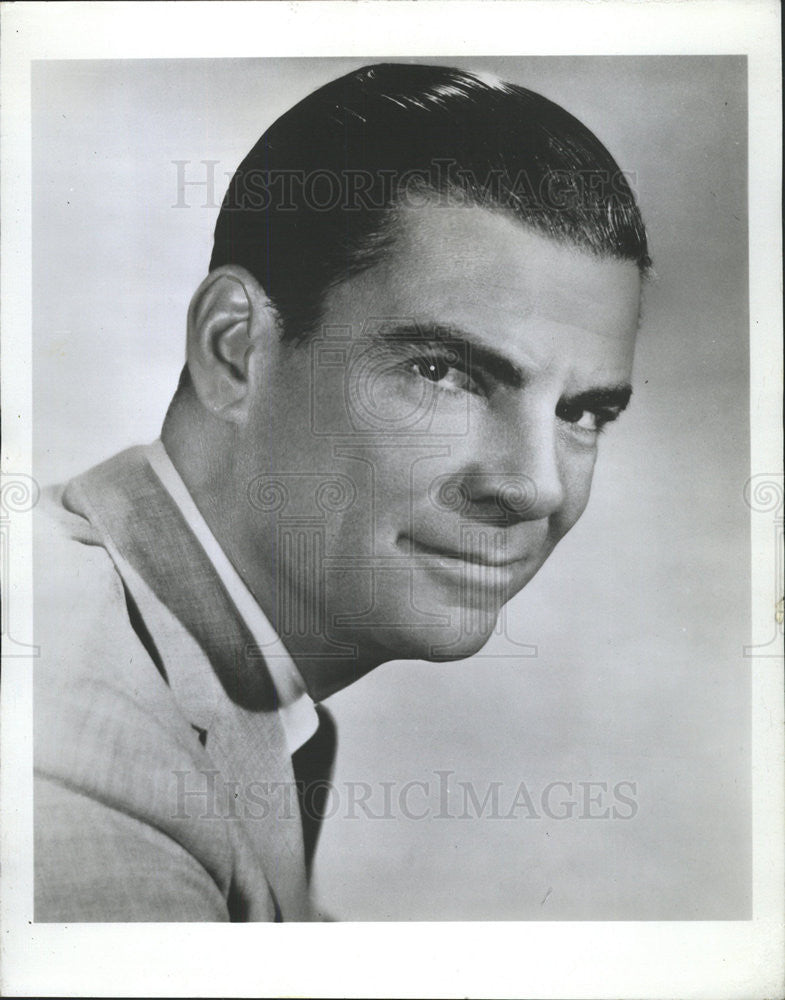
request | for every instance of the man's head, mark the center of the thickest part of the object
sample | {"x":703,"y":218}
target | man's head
{"x":313,"y":202}
{"x":421,"y":311}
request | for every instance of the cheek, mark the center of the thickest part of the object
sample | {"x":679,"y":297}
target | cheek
{"x":577,"y":474}
{"x":398,"y":469}
{"x":395,"y":479}
{"x":380,"y":476}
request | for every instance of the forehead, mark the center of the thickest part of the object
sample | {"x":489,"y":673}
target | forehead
{"x":510,"y":287}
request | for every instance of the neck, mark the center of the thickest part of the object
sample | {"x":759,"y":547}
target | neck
{"x":208,"y":457}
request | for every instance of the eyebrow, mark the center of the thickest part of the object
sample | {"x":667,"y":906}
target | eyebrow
{"x":499,"y":367}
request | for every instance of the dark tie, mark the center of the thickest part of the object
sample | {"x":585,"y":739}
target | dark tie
{"x":313,"y":768}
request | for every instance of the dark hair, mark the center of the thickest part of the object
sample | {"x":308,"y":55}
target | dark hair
{"x":313,"y":201}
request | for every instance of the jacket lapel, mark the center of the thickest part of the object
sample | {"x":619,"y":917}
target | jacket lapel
{"x":228,"y":693}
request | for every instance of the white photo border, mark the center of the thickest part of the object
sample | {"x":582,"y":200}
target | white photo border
{"x":501,"y":959}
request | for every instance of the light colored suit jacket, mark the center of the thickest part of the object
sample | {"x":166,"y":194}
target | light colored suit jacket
{"x":163,"y":785}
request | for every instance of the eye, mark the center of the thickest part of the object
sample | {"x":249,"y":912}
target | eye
{"x":444,"y":370}
{"x":587,"y":422}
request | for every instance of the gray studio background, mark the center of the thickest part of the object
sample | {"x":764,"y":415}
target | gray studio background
{"x":640,"y":616}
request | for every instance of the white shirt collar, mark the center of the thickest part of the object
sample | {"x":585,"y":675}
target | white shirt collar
{"x":296,"y":709}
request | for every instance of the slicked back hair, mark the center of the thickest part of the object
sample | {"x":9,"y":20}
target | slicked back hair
{"x":314,"y":202}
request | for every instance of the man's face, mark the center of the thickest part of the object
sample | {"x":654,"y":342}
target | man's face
{"x":416,"y":461}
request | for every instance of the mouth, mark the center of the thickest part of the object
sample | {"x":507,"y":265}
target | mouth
{"x":478,"y":557}
{"x":481,"y":573}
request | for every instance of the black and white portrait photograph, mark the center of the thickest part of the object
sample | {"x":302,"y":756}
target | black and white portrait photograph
{"x":393,"y":499}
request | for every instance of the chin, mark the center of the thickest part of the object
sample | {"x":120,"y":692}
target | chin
{"x":457,"y":648}
{"x":438,"y":645}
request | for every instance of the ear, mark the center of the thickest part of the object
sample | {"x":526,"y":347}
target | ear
{"x":228,"y":318}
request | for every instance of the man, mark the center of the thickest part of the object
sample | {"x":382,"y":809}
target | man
{"x":420,"y":314}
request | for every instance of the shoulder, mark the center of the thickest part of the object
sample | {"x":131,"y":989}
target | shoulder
{"x":79,"y":597}
{"x":108,"y":732}
{"x":84,"y":624}
{"x":92,"y":662}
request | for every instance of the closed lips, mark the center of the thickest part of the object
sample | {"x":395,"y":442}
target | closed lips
{"x":481,"y":558}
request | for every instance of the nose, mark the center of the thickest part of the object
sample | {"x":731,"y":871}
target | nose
{"x":518,"y":476}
